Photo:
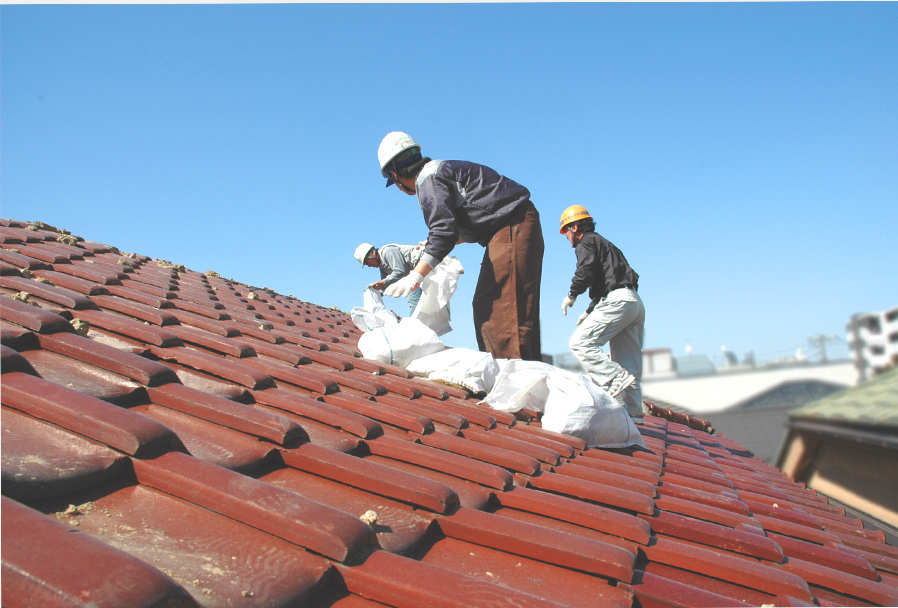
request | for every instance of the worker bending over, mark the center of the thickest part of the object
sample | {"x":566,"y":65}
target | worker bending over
{"x":394,"y":262}
{"x":464,"y":202}
{"x":615,"y":313}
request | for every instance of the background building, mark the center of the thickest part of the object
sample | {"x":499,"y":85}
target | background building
{"x":873,"y":339}
{"x":846,"y":446}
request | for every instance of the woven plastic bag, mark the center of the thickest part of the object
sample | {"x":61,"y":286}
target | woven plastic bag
{"x":373,"y":313}
{"x":437,"y":289}
{"x":471,"y":369}
{"x":571,"y":403}
{"x":520,"y":384}
{"x":400,"y":343}
{"x":576,"y":406}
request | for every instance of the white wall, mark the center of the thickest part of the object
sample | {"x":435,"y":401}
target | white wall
{"x":717,"y":392}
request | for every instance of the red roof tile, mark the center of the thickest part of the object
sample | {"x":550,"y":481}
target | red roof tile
{"x":211,"y":443}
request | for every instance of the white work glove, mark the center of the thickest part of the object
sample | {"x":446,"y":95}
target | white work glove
{"x":566,"y":303}
{"x":404,"y":286}
{"x":582,"y":318}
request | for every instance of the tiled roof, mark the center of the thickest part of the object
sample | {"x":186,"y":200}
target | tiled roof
{"x":874,"y":402}
{"x":791,"y":393}
{"x":203,"y":442}
{"x":760,"y":430}
{"x":759,"y":423}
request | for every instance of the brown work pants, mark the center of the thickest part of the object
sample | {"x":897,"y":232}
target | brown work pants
{"x":506,"y":301}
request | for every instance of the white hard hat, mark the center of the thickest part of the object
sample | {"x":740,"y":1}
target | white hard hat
{"x":393,"y":145}
{"x":362,"y":251}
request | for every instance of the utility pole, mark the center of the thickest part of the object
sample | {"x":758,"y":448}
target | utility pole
{"x":820,"y":342}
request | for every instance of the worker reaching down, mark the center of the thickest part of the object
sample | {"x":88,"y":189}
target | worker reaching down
{"x":464,"y":202}
{"x":394,"y":262}
{"x":615,"y":315}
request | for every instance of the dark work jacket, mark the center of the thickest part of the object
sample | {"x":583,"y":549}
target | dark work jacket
{"x":464,"y":199}
{"x":601,"y":268}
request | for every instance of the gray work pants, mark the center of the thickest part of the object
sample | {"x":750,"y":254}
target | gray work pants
{"x":618,"y":319}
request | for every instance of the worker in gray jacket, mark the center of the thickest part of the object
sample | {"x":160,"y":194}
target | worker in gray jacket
{"x":615,"y":315}
{"x":394,"y":262}
{"x":464,"y":202}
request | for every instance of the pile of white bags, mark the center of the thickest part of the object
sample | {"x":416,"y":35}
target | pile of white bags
{"x":570,"y":403}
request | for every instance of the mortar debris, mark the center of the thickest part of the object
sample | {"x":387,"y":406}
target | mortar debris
{"x":369,"y":517}
{"x":24,"y":296}
{"x":81,"y":327}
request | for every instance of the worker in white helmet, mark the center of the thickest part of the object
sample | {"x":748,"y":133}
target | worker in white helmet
{"x":394,"y":262}
{"x":464,"y":202}
{"x":615,"y":315}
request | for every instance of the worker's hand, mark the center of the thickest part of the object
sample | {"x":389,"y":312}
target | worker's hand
{"x":404,"y":286}
{"x":566,"y":303}
{"x":582,"y":318}
{"x":421,"y":244}
{"x":378,"y":285}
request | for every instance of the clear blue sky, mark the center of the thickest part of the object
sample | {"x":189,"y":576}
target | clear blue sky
{"x":743,"y":156}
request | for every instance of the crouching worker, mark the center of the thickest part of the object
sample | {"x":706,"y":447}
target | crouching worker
{"x":615,"y":314}
{"x":394,"y":262}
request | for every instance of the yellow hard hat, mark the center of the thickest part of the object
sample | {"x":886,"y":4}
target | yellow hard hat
{"x":573,"y":214}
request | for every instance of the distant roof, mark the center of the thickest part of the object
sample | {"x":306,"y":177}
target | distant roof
{"x":792,"y":393}
{"x":760,"y":422}
{"x":760,"y":430}
{"x":693,"y":365}
{"x":874,"y":402}
{"x":174,"y":438}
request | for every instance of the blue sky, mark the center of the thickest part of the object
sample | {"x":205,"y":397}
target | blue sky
{"x":744,"y":157}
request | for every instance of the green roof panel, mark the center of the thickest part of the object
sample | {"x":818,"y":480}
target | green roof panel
{"x":874,"y":402}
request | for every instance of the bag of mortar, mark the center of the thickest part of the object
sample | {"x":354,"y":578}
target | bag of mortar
{"x":570,"y":403}
{"x":471,"y":369}
{"x":373,"y":313}
{"x":437,"y":289}
{"x":400,"y":343}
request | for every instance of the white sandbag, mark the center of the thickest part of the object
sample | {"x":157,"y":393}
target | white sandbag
{"x":471,"y":369}
{"x":519,"y":384}
{"x":400,"y":343}
{"x":571,"y":403}
{"x":576,"y":406}
{"x":437,"y":289}
{"x":373,"y":313}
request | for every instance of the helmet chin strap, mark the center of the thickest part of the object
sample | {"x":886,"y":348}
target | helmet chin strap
{"x":400,"y":185}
